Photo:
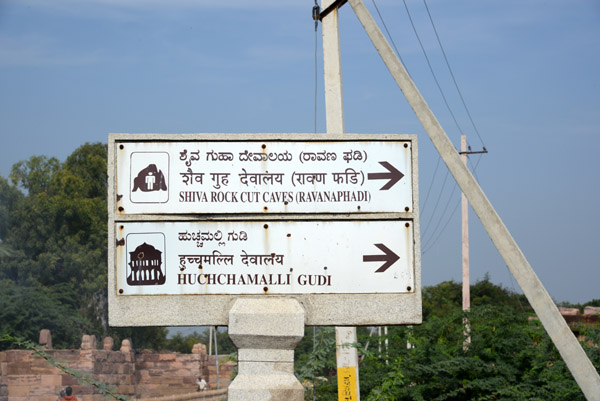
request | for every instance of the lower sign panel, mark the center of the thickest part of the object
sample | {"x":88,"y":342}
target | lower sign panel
{"x":279,"y":257}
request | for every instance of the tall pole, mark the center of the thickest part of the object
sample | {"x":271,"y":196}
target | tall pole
{"x":466,"y":285}
{"x":563,"y":338}
{"x":466,"y":290}
{"x":346,"y":355}
{"x":217,"y":358}
{"x":210,"y":329}
{"x":334,"y":101}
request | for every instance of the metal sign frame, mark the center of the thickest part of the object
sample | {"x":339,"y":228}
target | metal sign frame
{"x":344,"y":309}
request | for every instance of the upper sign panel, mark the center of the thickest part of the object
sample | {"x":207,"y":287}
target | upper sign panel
{"x":258,"y":176}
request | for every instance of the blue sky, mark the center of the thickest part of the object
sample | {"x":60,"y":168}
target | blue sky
{"x":71,"y":71}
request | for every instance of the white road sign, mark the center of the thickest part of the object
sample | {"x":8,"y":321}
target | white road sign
{"x":276,"y":257}
{"x":226,"y":177}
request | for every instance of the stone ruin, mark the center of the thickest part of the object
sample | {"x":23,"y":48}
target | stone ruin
{"x":143,"y":375}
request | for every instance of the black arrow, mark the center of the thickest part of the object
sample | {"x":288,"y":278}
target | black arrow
{"x":393,"y":175}
{"x":389,"y":258}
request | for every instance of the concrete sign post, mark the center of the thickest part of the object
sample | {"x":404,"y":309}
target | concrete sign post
{"x":249,"y":231}
{"x":266,"y":331}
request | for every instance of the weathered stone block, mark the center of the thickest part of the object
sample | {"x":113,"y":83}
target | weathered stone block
{"x":19,"y":368}
{"x":149,"y":357}
{"x":67,"y":356}
{"x":108,"y":343}
{"x":45,"y":339}
{"x":18,"y":356}
{"x":126,"y":389}
{"x":39,"y":391}
{"x":569,"y":311}
{"x":114,"y":357}
{"x":124,"y":379}
{"x":129,"y":369}
{"x":67,"y":380}
{"x":167,"y":357}
{"x":24,"y":380}
{"x":126,"y":345}
{"x":51,"y":380}
{"x":18,"y":391}
{"x":88,"y":342}
{"x":199,"y":348}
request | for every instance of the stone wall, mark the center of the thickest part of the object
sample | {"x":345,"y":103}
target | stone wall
{"x":590,"y":315}
{"x":137,"y":375}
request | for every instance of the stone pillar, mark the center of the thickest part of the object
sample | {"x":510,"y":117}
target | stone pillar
{"x":126,"y":345}
{"x":45,"y":339}
{"x":108,"y":343}
{"x":88,"y":342}
{"x":199,"y":348}
{"x":266,"y":331}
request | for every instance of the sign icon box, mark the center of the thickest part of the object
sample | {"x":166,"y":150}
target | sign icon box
{"x":145,"y":256}
{"x":149,"y":177}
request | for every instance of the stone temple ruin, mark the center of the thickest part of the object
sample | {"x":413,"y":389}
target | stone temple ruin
{"x":140,"y":375}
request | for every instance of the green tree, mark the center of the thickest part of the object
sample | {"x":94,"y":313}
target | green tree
{"x":446,"y":297}
{"x":34,"y":175}
{"x":26,"y":309}
{"x":53,"y":228}
{"x":315,"y":363}
{"x":509,"y":358}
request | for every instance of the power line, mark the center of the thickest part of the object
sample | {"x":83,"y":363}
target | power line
{"x":435,"y":235}
{"x":430,"y":243}
{"x":431,"y":68}
{"x":426,"y":248}
{"x":443,"y":214}
{"x":436,"y":203}
{"x":390,"y":36}
{"x":439,"y":87}
{"x":452,"y":74}
{"x":431,"y":184}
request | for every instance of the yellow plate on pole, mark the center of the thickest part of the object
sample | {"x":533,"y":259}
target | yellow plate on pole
{"x":347,"y":383}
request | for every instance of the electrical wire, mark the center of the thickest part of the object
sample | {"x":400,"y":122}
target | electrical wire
{"x":452,"y":74}
{"x":429,"y":244}
{"x":431,"y":184}
{"x":390,"y":36}
{"x":436,"y":204}
{"x":431,"y":69}
{"x":443,"y":97}
{"x":473,"y":168}
{"x":443,"y":214}
{"x":433,"y":238}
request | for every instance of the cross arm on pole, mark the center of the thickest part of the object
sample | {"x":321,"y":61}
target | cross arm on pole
{"x":333,"y":6}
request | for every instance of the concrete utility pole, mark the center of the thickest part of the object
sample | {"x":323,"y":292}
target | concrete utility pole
{"x":346,"y":355}
{"x":466,"y":289}
{"x":571,"y":351}
{"x":466,"y":284}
